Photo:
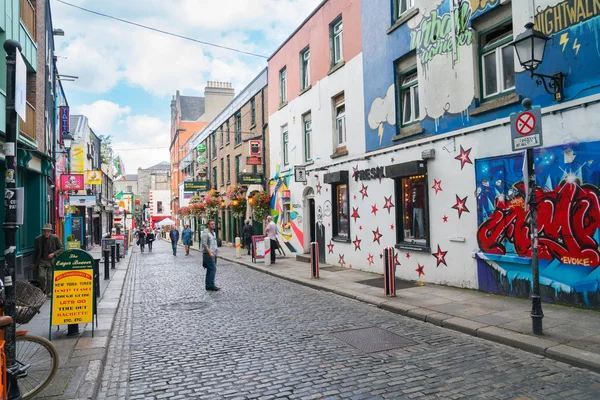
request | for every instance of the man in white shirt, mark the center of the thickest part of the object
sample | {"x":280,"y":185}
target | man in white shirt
{"x":271,"y":232}
{"x":209,"y":256}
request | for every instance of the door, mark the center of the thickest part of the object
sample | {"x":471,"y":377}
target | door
{"x":311,"y":213}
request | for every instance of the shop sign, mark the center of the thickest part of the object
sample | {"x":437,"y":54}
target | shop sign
{"x":63,"y":115}
{"x":73,"y":292}
{"x":93,"y":177}
{"x":201,"y":148}
{"x":82,"y":201}
{"x":255,"y":148}
{"x":77,"y":159}
{"x":71,"y":182}
{"x":253,"y":160}
{"x":368,"y":174}
{"x":195,"y":186}
{"x":250,"y":179}
{"x":201,"y":160}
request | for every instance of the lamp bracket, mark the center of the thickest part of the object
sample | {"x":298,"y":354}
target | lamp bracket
{"x":553,"y":84}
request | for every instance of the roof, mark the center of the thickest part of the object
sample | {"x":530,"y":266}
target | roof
{"x":161,"y":166}
{"x":131,"y":177}
{"x":192,"y":107}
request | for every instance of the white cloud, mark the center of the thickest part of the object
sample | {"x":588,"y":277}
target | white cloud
{"x":102,"y":115}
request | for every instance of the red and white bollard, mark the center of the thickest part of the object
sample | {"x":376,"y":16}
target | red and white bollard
{"x":389,"y":272}
{"x":267,"y":243}
{"x":314,"y":260}
{"x":238,"y":248}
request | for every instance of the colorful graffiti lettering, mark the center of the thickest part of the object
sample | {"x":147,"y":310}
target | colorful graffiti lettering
{"x":483,"y":4}
{"x":564,"y":15}
{"x":568,"y":218}
{"x":434,"y":36}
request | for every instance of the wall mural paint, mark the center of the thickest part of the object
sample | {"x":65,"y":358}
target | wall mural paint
{"x":568,"y":222}
{"x":290,"y":226}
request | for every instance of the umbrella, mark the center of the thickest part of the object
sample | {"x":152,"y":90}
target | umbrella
{"x":166,"y":221}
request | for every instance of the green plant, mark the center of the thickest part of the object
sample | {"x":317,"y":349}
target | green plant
{"x":261,"y":205}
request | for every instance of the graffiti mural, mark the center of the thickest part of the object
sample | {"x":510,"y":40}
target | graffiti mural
{"x":568,"y":222}
{"x":286,"y":211}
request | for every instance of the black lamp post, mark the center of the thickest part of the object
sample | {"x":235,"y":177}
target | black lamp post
{"x":530,"y":47}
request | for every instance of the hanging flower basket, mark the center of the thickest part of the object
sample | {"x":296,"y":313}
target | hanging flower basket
{"x":234,"y":192}
{"x":184,"y":211}
{"x":197,"y":210}
{"x":238,"y":206}
{"x":261,"y":205}
{"x":212,"y":203}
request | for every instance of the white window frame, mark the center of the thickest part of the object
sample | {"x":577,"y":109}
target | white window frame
{"x":337,"y":38}
{"x":283,"y":86}
{"x":413,"y":88}
{"x":497,"y":51}
{"x":285,"y":144}
{"x":305,"y":69}
{"x":307,"y":134}
{"x":340,"y":121}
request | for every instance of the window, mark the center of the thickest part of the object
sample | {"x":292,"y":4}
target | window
{"x":221,"y":142}
{"x":214,"y":147}
{"x":253,"y":111}
{"x":228,"y":170}
{"x":305,"y":69}
{"x":222,"y":172}
{"x":159,"y":207}
{"x":130,"y":189}
{"x":283,"y":86}
{"x":341,"y":211}
{"x":285,"y":144}
{"x":337,"y":43}
{"x":497,"y":61}
{"x":214,"y":185}
{"x":412,"y":213}
{"x":340,"y":120}
{"x":238,"y":161}
{"x":409,"y":97}
{"x":307,"y":122}
{"x":228,"y":132}
{"x":403,"y":6}
{"x":238,"y":128}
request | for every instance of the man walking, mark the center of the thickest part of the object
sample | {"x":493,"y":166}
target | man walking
{"x":271,"y":232}
{"x":248,"y":232}
{"x":209,"y":256}
{"x":174,"y":236}
{"x":46,"y":247}
{"x":186,"y":238}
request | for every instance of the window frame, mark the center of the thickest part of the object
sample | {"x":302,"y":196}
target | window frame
{"x":228,"y":136}
{"x":333,"y":35}
{"x":222,"y":172}
{"x":238,"y":128}
{"x":253,"y":111}
{"x":221,"y":137}
{"x":496,"y":49}
{"x":305,"y":69}
{"x":214,"y":146}
{"x":401,"y":241}
{"x":412,"y":87}
{"x":215,"y":178}
{"x":307,"y":134}
{"x":228,"y":169}
{"x":285,"y":142}
{"x":399,"y":14}
{"x":238,"y":164}
{"x":283,"y":85}
{"x":337,"y":118}
{"x":335,"y":233}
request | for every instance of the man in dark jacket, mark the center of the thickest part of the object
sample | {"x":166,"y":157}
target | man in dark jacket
{"x":248,"y":232}
{"x":46,"y":247}
{"x":174,"y":236}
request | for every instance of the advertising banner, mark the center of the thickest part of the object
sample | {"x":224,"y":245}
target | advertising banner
{"x":71,"y":182}
{"x":93,"y":177}
{"x":77,"y":159}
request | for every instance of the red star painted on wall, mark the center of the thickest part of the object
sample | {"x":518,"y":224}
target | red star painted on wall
{"x":319,"y":187}
{"x":374,"y":209}
{"x":407,"y":255}
{"x":360,"y":228}
{"x":440,"y":256}
{"x":329,"y":224}
{"x":460,"y":205}
{"x":354,"y":171}
{"x":445,"y":218}
{"x":388,"y":204}
{"x":396,"y":261}
{"x":420,"y":270}
{"x":330,"y":247}
{"x":357,"y":243}
{"x":437,"y":186}
{"x":355,"y":214}
{"x":341,"y":260}
{"x":377,"y":236}
{"x":463,"y":157}
{"x":392,"y":226}
{"x":363,"y":191}
{"x":370,"y":259}
{"x":354,"y":197}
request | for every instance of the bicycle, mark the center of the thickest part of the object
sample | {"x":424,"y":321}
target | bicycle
{"x":36,"y":357}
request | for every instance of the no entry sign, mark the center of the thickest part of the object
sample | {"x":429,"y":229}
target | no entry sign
{"x":526,"y":129}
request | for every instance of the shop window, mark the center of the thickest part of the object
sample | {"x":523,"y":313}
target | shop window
{"x":341,"y":211}
{"x":159,"y":206}
{"x":411,"y":220}
{"x":286,"y":206}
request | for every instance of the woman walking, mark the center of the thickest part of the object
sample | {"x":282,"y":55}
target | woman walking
{"x":150,"y":239}
{"x":186,"y":238}
{"x":142,"y":239}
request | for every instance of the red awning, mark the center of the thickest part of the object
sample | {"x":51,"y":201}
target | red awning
{"x":157,"y":219}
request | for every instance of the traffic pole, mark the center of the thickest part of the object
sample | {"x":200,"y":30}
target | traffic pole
{"x":113,"y":255}
{"x":10,"y":214}
{"x":106,"y":264}
{"x":314,"y":260}
{"x":389,"y":275}
{"x":238,"y":248}
{"x":119,"y":252}
{"x":268,"y":250}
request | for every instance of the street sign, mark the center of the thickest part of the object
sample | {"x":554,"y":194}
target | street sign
{"x":300,"y":174}
{"x":526,"y":129}
{"x":195,"y":186}
{"x":20,"y":87}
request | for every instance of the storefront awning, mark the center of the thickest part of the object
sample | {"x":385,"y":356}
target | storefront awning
{"x":336,"y":177}
{"x":410,"y":168}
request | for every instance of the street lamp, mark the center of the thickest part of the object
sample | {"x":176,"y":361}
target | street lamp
{"x":530,"y":47}
{"x":67,"y":141}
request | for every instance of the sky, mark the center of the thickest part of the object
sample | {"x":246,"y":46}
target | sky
{"x":127,"y":75}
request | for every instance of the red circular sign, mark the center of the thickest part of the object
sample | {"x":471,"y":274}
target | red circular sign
{"x":525,"y":123}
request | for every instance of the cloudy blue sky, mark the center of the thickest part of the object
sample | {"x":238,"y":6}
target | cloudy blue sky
{"x":127,"y":75}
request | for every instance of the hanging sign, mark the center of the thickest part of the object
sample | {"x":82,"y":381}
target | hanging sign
{"x":253,"y":160}
{"x":201,"y":160}
{"x":255,"y":147}
{"x":77,"y":159}
{"x":250,"y":179}
{"x":93,"y":177}
{"x":63,"y":115}
{"x":201,"y":148}
{"x":20,"y":86}
{"x":526,"y":129}
{"x":71,"y":182}
{"x":195,"y":186}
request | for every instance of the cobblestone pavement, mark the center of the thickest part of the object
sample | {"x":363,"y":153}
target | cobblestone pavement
{"x":265,"y":338}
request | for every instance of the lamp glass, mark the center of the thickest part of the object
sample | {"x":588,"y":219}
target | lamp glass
{"x":67,"y":141}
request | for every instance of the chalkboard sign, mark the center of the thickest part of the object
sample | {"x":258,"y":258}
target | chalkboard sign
{"x":106,"y":244}
{"x":77,"y":228}
{"x":121,"y":240}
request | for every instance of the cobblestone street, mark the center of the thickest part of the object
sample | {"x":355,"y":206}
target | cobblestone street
{"x":262,"y":337}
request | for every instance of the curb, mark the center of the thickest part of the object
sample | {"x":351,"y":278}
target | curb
{"x":540,"y":346}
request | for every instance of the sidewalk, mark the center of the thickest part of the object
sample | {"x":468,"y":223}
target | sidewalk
{"x":571,"y":335}
{"x":82,"y":357}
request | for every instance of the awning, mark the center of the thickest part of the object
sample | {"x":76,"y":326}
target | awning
{"x":406,"y":169}
{"x":336,"y":177}
{"x":159,"y":218}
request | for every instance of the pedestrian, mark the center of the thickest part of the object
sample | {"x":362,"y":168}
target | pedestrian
{"x":248,"y":232}
{"x":186,"y":238}
{"x":46,"y":247}
{"x":174,"y":236}
{"x":209,"y":256}
{"x":150,"y":239}
{"x":271,"y":232}
{"x":142,"y":239}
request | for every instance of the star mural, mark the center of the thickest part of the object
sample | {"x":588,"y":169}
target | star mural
{"x":355,"y":214}
{"x":356,"y":243}
{"x":463,"y":157}
{"x":396,"y":261}
{"x":437,"y":186}
{"x":392,"y":226}
{"x":341,"y":260}
{"x":377,"y":236}
{"x":420,"y":270}
{"x":460,"y":205}
{"x":407,"y":255}
{"x":330,"y":247}
{"x":360,"y":228}
{"x":374,"y":209}
{"x":363,"y":191}
{"x":319,"y":187}
{"x":388,"y":204}
{"x":370,"y":259}
{"x":354,"y":197}
{"x":354,"y":171}
{"x":445,"y":218}
{"x":440,"y":256}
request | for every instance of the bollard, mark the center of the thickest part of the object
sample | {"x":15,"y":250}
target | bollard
{"x":106,"y":265}
{"x":113,"y":255}
{"x":238,"y":248}
{"x":97,"y":276}
{"x":389,"y":275}
{"x":267,"y":244}
{"x":118,"y":252}
{"x":314,"y":260}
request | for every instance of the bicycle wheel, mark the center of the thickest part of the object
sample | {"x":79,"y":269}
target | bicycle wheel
{"x":42,"y":358}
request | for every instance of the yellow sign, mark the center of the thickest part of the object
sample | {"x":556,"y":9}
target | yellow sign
{"x":93,"y":177}
{"x":77,"y":159}
{"x":73,"y":299}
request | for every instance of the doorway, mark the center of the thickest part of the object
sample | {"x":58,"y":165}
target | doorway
{"x":311,"y":213}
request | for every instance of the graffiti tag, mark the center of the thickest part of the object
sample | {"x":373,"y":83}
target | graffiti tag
{"x":565,"y":14}
{"x":568,"y":218}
